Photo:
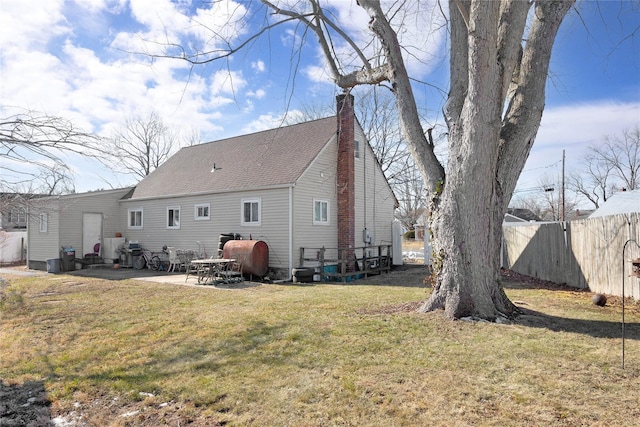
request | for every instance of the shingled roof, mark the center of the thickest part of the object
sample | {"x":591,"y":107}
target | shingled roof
{"x":265,"y":159}
{"x":620,"y":203}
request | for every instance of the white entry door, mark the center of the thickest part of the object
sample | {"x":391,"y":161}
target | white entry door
{"x":91,"y":232}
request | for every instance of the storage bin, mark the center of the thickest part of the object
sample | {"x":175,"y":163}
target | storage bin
{"x":68,"y":260}
{"x":53,"y":265}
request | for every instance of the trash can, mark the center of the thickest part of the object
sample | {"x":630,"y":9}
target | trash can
{"x":53,"y":265}
{"x":68,"y":260}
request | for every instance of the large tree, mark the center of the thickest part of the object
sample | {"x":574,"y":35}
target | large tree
{"x":499,"y":61}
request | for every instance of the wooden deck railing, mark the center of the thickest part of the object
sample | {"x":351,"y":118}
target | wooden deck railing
{"x":348,"y":263}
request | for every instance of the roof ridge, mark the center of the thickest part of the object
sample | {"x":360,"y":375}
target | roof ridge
{"x":245,"y":135}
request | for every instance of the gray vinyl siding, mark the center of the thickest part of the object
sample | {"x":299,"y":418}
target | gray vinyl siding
{"x":375,"y":202}
{"x":65,"y":214}
{"x":105,"y":203}
{"x":225,"y":217}
{"x":43,"y":246}
{"x":317,"y":182}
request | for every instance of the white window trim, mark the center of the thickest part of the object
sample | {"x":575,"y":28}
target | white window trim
{"x":135,"y":227}
{"x":316,"y":222}
{"x":202,"y":218}
{"x":44,"y":222}
{"x":357,"y":147}
{"x":173,"y":227}
{"x":257,"y":223}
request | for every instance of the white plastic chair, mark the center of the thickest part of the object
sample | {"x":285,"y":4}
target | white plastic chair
{"x":174,"y":259}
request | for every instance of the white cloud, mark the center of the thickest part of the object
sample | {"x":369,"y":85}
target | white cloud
{"x":420,"y":28}
{"x":26,"y":25}
{"x":574,"y":128}
{"x":586,"y":123}
{"x":169,"y":27}
{"x":272,"y":121}
{"x":258,"y":66}
{"x":318,"y":73}
{"x":227,"y":82}
{"x":258,"y":94}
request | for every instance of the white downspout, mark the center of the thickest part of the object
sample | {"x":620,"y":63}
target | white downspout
{"x":290,"y":268}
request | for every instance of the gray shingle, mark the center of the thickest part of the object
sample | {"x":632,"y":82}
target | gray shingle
{"x":619,"y":203}
{"x":263,"y":159}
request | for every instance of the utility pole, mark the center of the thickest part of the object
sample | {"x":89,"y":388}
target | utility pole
{"x":562,"y":213}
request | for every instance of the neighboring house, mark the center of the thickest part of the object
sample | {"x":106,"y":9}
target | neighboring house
{"x":13,"y":226}
{"x":620,"y":203}
{"x":579,"y":214}
{"x":310,"y":185}
{"x":520,"y":215}
{"x":13,"y":211}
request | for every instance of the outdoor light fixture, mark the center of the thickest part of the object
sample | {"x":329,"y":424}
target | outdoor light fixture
{"x":635,"y":272}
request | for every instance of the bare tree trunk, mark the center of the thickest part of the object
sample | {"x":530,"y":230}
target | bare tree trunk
{"x":487,"y":150}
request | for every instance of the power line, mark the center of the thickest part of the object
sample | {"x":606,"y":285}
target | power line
{"x":543,"y":167}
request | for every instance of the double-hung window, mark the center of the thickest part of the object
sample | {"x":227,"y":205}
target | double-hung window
{"x":202,"y":212}
{"x":320,"y":212}
{"x":251,"y":211}
{"x":22,"y":217}
{"x":173,"y":217}
{"x":135,"y":219}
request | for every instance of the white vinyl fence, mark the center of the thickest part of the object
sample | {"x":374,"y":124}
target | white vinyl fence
{"x":583,"y":254}
{"x":13,"y":247}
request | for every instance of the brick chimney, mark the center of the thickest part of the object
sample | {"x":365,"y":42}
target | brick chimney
{"x":346,"y":180}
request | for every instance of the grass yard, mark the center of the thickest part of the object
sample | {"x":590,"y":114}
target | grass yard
{"x":133,"y":353}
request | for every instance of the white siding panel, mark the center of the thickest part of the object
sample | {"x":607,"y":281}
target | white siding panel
{"x":43,"y":246}
{"x":375,"y":202}
{"x":225,"y":217}
{"x":65,"y":221}
{"x":318,"y":182}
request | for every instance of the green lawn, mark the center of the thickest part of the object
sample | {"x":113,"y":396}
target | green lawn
{"x":140,"y":353}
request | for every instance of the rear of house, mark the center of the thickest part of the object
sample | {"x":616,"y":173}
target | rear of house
{"x":281,"y":186}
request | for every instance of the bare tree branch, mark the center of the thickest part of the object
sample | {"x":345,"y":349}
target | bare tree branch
{"x":141,"y":145}
{"x":37,"y":139}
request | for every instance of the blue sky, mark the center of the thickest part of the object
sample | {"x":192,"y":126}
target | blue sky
{"x":71,"y":58}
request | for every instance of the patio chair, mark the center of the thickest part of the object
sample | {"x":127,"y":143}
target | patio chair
{"x":175,"y":260}
{"x":95,"y":253}
{"x":233,"y":271}
{"x":186,"y":257}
